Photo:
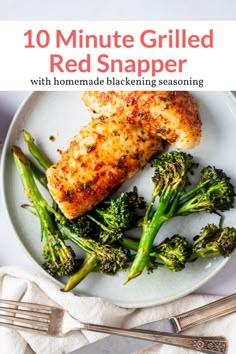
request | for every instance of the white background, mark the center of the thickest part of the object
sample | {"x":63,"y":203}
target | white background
{"x":10,"y":251}
{"x":156,"y":10}
{"x":20,"y":66}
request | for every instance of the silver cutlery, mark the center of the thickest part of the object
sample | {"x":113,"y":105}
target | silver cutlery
{"x":53,"y":321}
{"x":176,"y":324}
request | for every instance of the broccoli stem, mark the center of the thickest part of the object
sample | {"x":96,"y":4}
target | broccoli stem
{"x":191,"y":206}
{"x":204,"y":253}
{"x":150,"y":230}
{"x":58,"y":216}
{"x":42,"y":159}
{"x":30,"y":208}
{"x":24,"y":167}
{"x":103,"y":227}
{"x":150,"y":206}
{"x":89,"y":265}
{"x":85,"y":244}
{"x":39,"y":175}
{"x":31,"y":190}
{"x":185,"y":196}
{"x":129,"y":243}
{"x":36,"y":152}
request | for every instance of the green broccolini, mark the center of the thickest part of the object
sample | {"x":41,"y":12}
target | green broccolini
{"x":99,"y":257}
{"x":59,"y":258}
{"x":172,"y":254}
{"x":35,"y":151}
{"x":213,"y":241}
{"x":105,"y":258}
{"x":83,"y":227}
{"x":170,"y":179}
{"x":213,"y":193}
{"x":120,"y":212}
{"x":97,"y":231}
{"x":115,"y":216}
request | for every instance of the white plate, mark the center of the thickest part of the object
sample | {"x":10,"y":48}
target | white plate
{"x":61,"y":114}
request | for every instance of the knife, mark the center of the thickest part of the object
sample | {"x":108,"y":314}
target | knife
{"x":175,"y":324}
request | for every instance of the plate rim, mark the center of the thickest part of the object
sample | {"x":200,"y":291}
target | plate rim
{"x":76,"y":292}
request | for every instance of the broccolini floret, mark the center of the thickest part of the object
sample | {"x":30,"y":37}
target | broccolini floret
{"x":213,"y":193}
{"x":121,"y":212}
{"x":213,"y":241}
{"x":172,"y":253}
{"x":117,"y":215}
{"x":59,"y":259}
{"x":83,"y":226}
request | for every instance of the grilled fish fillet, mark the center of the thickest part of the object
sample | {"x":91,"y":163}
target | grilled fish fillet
{"x":100,"y":157}
{"x":173,"y":115}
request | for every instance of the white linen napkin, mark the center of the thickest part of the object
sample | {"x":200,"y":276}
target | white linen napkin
{"x":19,"y":284}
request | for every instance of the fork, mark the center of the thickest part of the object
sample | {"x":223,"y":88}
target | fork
{"x":54,"y":321}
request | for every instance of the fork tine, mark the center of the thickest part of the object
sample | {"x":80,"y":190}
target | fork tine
{"x":42,"y":315}
{"x":27,"y":304}
{"x":24,"y":328}
{"x":26,"y":316}
{"x":25,"y":320}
